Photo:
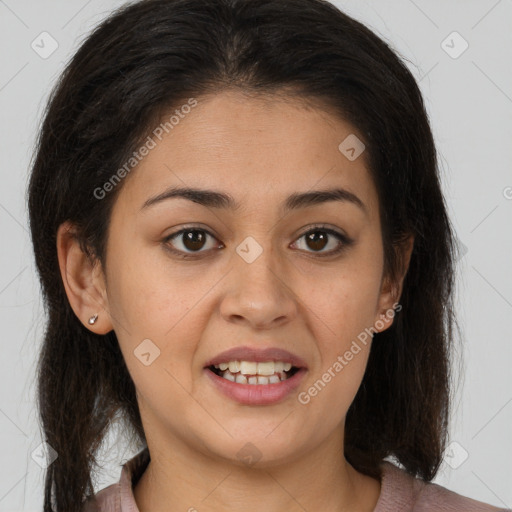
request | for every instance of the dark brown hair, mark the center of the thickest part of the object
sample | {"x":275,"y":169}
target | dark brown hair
{"x":142,"y":61}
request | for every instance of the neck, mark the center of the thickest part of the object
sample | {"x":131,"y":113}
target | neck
{"x":180,"y":477}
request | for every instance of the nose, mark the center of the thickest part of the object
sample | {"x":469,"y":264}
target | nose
{"x":260,"y":294}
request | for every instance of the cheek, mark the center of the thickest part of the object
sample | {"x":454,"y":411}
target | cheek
{"x":156,"y":335}
{"x":342,"y":302}
{"x":332,"y":387}
{"x":344,"y":346}
{"x":150,"y":313}
{"x":149,"y":295}
{"x":341,"y":307}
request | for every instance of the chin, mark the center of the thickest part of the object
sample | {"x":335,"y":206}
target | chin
{"x":260,"y":450}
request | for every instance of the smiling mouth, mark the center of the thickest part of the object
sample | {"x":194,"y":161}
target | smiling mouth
{"x":254,"y":378}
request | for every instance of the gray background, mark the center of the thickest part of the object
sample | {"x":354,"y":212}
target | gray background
{"x":469,"y":100}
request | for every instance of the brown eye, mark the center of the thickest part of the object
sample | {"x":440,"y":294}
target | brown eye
{"x":188,"y":241}
{"x":316,"y":240}
{"x":193,"y":240}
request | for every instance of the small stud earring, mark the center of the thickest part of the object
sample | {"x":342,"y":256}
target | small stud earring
{"x":93,"y":319}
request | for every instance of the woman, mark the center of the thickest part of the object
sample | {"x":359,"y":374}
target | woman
{"x":245,"y":252}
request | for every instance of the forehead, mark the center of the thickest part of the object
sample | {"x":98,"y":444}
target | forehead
{"x":264,"y":148}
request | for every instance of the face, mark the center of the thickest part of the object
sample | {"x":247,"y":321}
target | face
{"x":307,"y":279}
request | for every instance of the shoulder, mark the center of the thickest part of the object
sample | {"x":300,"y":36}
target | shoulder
{"x":437,"y":498}
{"x":402,"y":492}
{"x":106,"y":500}
{"x":118,"y":497}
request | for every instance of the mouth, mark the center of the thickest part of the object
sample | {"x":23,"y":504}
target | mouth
{"x":252,"y":373}
{"x":247,"y":387}
{"x":255,"y":375}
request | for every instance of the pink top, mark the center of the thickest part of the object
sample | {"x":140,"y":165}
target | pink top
{"x":400,"y":492}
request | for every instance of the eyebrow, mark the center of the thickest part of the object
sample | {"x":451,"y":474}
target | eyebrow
{"x":215,"y":199}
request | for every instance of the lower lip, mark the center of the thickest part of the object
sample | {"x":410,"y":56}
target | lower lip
{"x":256,"y":394}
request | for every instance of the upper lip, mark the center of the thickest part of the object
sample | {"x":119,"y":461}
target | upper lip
{"x":259,"y":355}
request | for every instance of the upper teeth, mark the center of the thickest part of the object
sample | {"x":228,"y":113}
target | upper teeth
{"x":253,"y":368}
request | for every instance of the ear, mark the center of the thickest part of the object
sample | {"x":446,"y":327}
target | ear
{"x":83,"y":280}
{"x":392,"y":291}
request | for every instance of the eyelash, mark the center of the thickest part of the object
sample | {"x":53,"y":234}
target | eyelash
{"x":345,"y":241}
